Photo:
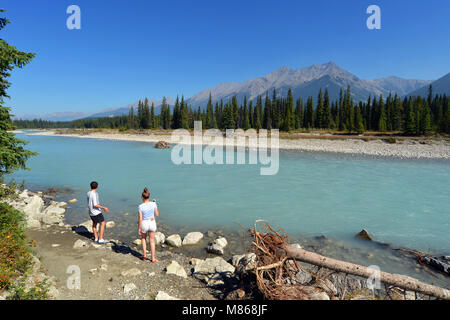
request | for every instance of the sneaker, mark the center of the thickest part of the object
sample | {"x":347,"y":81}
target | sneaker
{"x":96,"y":240}
{"x":101,"y":241}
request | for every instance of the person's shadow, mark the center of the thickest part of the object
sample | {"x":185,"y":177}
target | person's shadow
{"x":116,"y":247}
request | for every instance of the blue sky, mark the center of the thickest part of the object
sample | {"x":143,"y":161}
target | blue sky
{"x":127,"y":50}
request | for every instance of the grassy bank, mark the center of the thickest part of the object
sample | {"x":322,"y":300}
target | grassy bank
{"x":16,"y":260}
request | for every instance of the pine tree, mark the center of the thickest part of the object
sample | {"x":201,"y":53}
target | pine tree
{"x":327,"y":118}
{"x":258,"y":109}
{"x":341,"y":111}
{"x":267,"y":122}
{"x":299,"y":114}
{"x":382,"y":119}
{"x":131,"y":119}
{"x":152,"y":117}
{"x":246,"y":124}
{"x":309,"y":116}
{"x":184,"y":121}
{"x":209,"y":114}
{"x":251,"y":115}
{"x":319,"y":111}
{"x":228,"y":118}
{"x":425,"y":119}
{"x":289,"y":121}
{"x":176,"y":123}
{"x":359,"y":126}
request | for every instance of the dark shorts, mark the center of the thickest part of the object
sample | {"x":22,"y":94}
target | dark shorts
{"x":98,"y":218}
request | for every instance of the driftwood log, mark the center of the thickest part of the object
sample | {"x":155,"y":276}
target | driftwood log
{"x":358,"y":270}
{"x":273,"y":254}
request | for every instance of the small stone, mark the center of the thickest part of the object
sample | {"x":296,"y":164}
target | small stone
{"x":151,"y":274}
{"x":53,"y":292}
{"x":137,"y":242}
{"x":73,"y":201}
{"x":302,"y":277}
{"x":110,"y":224}
{"x":296,"y":245}
{"x":222,"y":242}
{"x":364,"y":235}
{"x":176,"y":269}
{"x":131,"y":272}
{"x":129,"y":287}
{"x":93,"y":271}
{"x":215,"y":248}
{"x":104,"y":267}
{"x":164,"y":296}
{"x":55,"y":245}
{"x":80,"y":244}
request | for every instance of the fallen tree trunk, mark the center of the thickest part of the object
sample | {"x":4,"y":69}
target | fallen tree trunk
{"x":358,"y":270}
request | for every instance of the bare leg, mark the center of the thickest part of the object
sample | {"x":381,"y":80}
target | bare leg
{"x":102,"y":229}
{"x":144,"y":244}
{"x":152,"y":246}
{"x":94,"y":230}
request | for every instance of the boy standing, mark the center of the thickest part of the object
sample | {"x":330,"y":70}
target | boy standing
{"x":95,"y":212}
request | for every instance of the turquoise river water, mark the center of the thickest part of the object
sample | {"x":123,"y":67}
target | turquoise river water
{"x":404,"y":203}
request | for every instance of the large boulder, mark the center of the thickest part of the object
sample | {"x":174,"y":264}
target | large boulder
{"x":33,"y":224}
{"x":213,"y":271}
{"x":217,"y":246}
{"x":160,"y":238}
{"x":47,"y":219}
{"x":192,"y":238}
{"x":175,"y":268}
{"x":54,"y":210}
{"x":162,"y":145}
{"x":33,"y":207}
{"x":174,"y":240}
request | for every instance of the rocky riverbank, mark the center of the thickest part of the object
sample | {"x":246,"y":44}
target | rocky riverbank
{"x":64,"y":253}
{"x":413,"y":148}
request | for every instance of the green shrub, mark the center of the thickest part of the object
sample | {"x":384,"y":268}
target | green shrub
{"x":37,"y":292}
{"x":15,"y":257}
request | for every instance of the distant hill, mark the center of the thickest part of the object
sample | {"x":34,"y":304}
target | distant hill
{"x":56,"y":116}
{"x":304,"y":82}
{"x":126,"y":110}
{"x":307,"y":82}
{"x":440,"y":86}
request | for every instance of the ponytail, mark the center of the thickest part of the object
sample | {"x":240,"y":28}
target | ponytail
{"x":146,"y":194}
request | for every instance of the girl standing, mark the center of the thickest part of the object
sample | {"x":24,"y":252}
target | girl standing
{"x":147,"y":224}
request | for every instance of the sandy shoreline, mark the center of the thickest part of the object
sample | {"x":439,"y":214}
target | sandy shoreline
{"x":405,"y":148}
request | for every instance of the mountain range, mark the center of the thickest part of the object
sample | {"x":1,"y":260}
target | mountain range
{"x":304,"y":82}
